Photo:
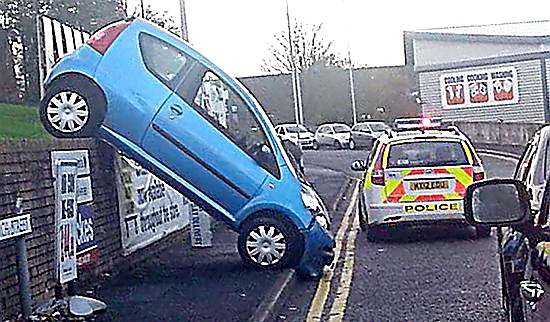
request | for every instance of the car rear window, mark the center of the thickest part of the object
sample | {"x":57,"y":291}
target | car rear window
{"x":426,"y":154}
{"x":162,"y":59}
{"x":341,"y":129}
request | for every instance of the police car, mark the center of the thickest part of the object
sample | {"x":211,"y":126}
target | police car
{"x":417,"y":174}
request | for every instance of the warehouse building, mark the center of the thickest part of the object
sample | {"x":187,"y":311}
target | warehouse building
{"x":482,"y":73}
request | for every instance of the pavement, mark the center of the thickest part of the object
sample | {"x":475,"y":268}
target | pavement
{"x":430,"y":274}
{"x":208,"y":284}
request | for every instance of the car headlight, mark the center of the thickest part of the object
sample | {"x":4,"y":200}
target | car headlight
{"x":314,"y":204}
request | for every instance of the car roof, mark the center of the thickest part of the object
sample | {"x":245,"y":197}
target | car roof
{"x":332,"y":124}
{"x":393,"y":136}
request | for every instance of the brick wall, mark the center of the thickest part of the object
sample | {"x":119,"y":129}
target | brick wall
{"x":25,"y":169}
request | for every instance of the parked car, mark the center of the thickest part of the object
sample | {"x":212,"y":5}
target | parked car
{"x":364,"y":134}
{"x":417,"y":176}
{"x":296,"y":133}
{"x":520,"y":207}
{"x":156,"y":99}
{"x":337,"y":135}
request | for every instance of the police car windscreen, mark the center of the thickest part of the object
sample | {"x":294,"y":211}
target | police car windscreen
{"x":426,"y":154}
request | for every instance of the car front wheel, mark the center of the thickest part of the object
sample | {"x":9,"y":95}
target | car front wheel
{"x":315,"y":145}
{"x":269,"y":242}
{"x":72,"y":107}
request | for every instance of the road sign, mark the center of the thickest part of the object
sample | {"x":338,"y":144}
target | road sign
{"x":15,"y":226}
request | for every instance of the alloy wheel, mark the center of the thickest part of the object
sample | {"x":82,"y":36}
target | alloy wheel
{"x":266,"y":245}
{"x":67,"y":112}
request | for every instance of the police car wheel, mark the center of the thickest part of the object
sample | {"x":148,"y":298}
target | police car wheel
{"x":482,"y":232}
{"x":268,"y":241}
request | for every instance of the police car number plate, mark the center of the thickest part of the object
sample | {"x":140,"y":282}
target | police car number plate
{"x":429,"y":185}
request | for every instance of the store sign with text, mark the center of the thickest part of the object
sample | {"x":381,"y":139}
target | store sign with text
{"x":149,"y":208}
{"x":484,"y":87}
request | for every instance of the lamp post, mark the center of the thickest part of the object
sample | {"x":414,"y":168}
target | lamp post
{"x":184,"y":33}
{"x":351,"y":86}
{"x":295,"y":77}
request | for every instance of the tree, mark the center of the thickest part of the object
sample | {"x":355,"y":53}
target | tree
{"x":309,"y":49}
{"x":163,"y":20}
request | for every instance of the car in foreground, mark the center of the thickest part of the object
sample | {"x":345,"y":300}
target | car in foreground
{"x":336,"y":135}
{"x":158,"y":101}
{"x":417,"y":175}
{"x":520,"y":208}
{"x":297,"y":134}
{"x":364,"y":134}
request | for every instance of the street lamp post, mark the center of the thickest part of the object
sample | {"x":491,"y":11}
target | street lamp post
{"x":295,"y":79}
{"x":184,"y":33}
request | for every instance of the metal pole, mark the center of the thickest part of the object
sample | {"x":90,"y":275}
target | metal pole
{"x":23,"y":267}
{"x":299,"y":94}
{"x":293,"y":67}
{"x":184,"y":34}
{"x":351,"y":88}
{"x":142,"y":9}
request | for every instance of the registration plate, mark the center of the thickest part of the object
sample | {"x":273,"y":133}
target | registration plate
{"x":429,"y":185}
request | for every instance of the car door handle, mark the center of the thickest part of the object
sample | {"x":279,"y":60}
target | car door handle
{"x":175,"y":110}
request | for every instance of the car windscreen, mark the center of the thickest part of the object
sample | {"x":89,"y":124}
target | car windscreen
{"x":426,"y":154}
{"x":378,"y":127}
{"x":296,"y":129}
{"x":341,"y":129}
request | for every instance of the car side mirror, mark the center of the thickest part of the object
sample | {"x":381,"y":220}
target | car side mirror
{"x":497,"y":202}
{"x":359,"y":165}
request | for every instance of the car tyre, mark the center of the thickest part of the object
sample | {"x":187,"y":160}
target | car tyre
{"x":338,"y":145}
{"x":315,"y":145}
{"x":352,"y":145}
{"x":483,"y":232}
{"x":270,"y":242}
{"x":72,"y":107}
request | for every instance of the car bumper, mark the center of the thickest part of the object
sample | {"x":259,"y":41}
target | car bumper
{"x":306,"y":144}
{"x":426,"y":212}
{"x":318,"y":251}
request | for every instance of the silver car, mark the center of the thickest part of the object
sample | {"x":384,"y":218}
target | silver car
{"x":337,"y":135}
{"x":364,"y":134}
{"x":295,"y":133}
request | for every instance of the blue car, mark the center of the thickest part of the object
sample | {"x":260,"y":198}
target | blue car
{"x":153,"y":97}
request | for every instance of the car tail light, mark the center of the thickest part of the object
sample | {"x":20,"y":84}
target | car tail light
{"x":377,"y":176}
{"x":103,"y":38}
{"x":478,"y":176}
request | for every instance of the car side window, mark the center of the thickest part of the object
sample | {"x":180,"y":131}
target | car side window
{"x":323,"y":130}
{"x":163,"y":60}
{"x":223,"y":107}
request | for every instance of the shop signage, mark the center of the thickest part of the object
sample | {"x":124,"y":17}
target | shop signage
{"x":483,"y":87}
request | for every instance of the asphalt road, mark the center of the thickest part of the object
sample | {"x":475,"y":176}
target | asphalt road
{"x":430,"y":274}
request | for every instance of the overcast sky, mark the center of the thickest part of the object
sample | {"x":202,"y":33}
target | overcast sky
{"x":236,"y":34}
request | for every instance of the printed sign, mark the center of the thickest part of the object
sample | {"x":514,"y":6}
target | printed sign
{"x":201,"y":235}
{"x":86,"y":246}
{"x":484,"y":87}
{"x":149,"y":208}
{"x":15,"y":226}
{"x":84,"y":192}
{"x":66,"y":228}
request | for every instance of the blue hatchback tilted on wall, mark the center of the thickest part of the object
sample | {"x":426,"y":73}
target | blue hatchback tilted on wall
{"x":149,"y":94}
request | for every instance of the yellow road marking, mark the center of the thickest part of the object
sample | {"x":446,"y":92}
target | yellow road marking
{"x":338,"y":308}
{"x":317,"y":305}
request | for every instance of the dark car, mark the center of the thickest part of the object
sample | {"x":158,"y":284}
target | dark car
{"x":520,"y":208}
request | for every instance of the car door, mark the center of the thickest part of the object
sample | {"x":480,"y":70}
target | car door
{"x":211,"y":138}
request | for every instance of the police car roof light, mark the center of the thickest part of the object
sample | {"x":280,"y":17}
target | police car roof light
{"x":421,"y":123}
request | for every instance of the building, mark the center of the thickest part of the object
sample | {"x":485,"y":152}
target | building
{"x":482,"y":73}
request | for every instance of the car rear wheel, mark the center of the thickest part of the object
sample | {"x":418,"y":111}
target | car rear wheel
{"x":72,"y":107}
{"x":352,"y":145}
{"x":483,"y":232}
{"x":338,"y":145}
{"x":315,"y":145}
{"x":269,"y":242}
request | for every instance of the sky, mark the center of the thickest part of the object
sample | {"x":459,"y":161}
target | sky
{"x":236,"y":34}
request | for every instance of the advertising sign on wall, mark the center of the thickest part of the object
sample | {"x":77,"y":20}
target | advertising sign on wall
{"x":65,"y":218}
{"x":483,"y":87}
{"x":149,"y":208}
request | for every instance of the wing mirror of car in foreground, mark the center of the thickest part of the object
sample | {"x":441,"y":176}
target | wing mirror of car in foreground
{"x":359,"y":165}
{"x":497,"y":202}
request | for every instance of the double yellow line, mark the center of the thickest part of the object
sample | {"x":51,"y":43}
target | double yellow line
{"x":350,"y":223}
